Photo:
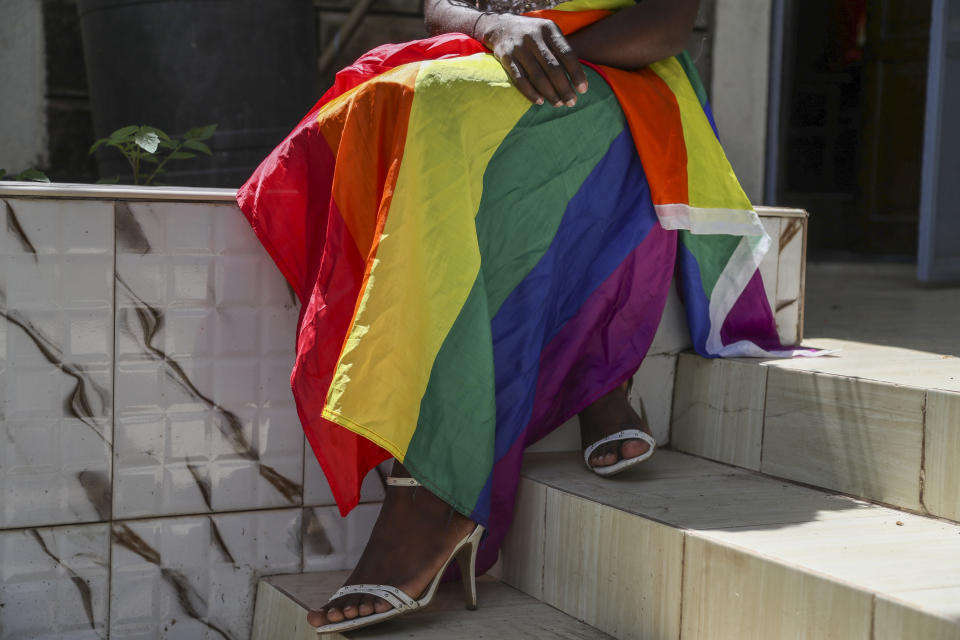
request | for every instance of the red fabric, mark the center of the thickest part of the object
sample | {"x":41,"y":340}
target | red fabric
{"x":305,"y":234}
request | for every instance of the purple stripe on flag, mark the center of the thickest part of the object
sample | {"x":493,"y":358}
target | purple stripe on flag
{"x":751,"y":318}
{"x":597,"y":349}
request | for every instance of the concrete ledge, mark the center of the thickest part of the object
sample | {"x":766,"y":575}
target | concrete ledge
{"x":12,"y":189}
{"x":682,"y":547}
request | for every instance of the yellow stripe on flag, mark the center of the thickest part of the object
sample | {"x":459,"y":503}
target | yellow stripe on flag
{"x":588,"y":5}
{"x":428,"y":258}
{"x":712,"y":184}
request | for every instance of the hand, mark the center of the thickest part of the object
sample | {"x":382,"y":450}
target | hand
{"x":536,"y":56}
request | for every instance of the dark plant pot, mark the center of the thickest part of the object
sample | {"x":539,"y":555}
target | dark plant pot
{"x":247,"y":65}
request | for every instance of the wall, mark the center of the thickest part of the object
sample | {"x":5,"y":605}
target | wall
{"x":22,"y":80}
{"x":152,"y":464}
{"x":387,"y":21}
{"x":740,"y":87}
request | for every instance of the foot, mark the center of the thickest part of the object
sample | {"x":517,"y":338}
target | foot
{"x":412,"y":538}
{"x":605,"y":417}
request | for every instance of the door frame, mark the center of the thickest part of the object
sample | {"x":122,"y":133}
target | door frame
{"x":927,"y":269}
{"x":779,"y":61}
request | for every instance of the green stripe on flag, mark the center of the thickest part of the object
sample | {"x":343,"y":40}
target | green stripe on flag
{"x":458,"y":412}
{"x":713,"y":253}
{"x":531,"y":178}
{"x":529,"y":181}
{"x":694,"y":77}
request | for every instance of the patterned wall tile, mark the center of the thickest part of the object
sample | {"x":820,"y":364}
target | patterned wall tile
{"x":195,"y":577}
{"x":332,"y":542}
{"x":56,"y":349}
{"x":54,"y":583}
{"x":205,"y":333}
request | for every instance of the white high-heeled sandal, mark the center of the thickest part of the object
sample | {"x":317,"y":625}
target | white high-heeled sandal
{"x":465,"y":552}
{"x":617,"y":467}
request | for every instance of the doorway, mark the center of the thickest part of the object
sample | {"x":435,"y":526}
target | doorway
{"x":850,"y":141}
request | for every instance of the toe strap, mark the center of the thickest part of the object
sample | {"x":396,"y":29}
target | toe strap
{"x":396,"y":597}
{"x":626,"y":434}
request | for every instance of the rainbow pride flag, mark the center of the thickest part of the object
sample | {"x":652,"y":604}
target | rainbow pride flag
{"x":474,"y":270}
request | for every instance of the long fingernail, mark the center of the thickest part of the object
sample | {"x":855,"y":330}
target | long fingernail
{"x":582,"y":87}
{"x":571,"y":102}
{"x":558,"y":103}
{"x":539,"y":100}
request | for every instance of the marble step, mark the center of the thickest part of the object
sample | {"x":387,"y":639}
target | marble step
{"x":682,"y":547}
{"x":877,"y":422}
{"x":504,"y":613}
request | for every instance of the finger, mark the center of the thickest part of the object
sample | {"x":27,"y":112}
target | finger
{"x":568,"y":58}
{"x":534,"y":72}
{"x":557,"y":76}
{"x":520,"y":80}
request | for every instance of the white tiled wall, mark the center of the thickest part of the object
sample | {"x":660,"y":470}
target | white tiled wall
{"x":56,"y":351}
{"x":203,"y":315}
{"x":152,"y":465}
{"x":54,"y":582}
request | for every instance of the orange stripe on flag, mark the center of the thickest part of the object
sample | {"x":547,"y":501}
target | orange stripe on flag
{"x":570,"y":21}
{"x":654,"y":118}
{"x":368,"y":132}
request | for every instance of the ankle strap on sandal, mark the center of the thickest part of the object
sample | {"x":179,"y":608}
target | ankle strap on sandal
{"x":402,"y":482}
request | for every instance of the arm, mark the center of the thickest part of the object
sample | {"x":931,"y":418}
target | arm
{"x":533,"y":51}
{"x":544,"y":65}
{"x":636,"y":36}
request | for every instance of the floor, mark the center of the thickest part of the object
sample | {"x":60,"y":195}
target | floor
{"x":881,"y":304}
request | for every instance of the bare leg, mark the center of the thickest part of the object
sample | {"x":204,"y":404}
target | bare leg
{"x":413,"y":536}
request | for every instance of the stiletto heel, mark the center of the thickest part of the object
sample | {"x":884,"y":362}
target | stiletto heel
{"x":465,"y":552}
{"x":467,"y":561}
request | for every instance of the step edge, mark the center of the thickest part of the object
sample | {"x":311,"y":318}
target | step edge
{"x":745,"y":550}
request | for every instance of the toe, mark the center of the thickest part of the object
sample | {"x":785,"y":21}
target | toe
{"x":633,"y":448}
{"x":317,"y":618}
{"x":334,"y":614}
{"x":604,"y":455}
{"x":380,"y":605}
{"x":351,"y":607}
{"x":366,"y":605}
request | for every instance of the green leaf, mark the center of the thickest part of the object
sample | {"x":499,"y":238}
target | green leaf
{"x":152,"y":159}
{"x":196,"y":145}
{"x":201,"y":133}
{"x":96,"y":145}
{"x":123,"y":133}
{"x":182,"y":155}
{"x":160,"y":134}
{"x":167,"y":144}
{"x":147,"y":140}
{"x":113,"y":180}
{"x":33,"y":175}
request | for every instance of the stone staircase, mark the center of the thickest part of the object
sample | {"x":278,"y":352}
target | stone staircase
{"x":807,"y":498}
